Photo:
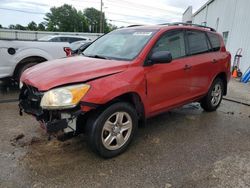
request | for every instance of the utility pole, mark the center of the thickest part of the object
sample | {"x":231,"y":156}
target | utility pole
{"x":101,"y":18}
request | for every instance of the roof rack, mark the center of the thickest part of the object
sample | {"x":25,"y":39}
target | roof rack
{"x":189,"y":24}
{"x":134,"y":25}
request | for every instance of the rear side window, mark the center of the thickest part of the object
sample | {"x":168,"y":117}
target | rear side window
{"x":197,"y":42}
{"x":64,"y":39}
{"x":56,"y":39}
{"x":215,"y":41}
{"x":173,"y":42}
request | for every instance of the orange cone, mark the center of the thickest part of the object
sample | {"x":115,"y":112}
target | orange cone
{"x":234,"y":73}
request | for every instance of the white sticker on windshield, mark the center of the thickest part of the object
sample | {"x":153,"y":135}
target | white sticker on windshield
{"x":142,"y":33}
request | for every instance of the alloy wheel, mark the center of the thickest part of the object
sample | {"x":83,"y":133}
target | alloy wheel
{"x":216,"y":94}
{"x":116,"y":130}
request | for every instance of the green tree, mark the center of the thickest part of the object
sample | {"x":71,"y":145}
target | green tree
{"x":32,"y":26}
{"x":65,"y":18}
{"x":41,"y":27}
{"x":93,"y":18}
{"x":20,"y":27}
{"x":11,"y":26}
{"x":1,"y":26}
{"x":109,"y":27}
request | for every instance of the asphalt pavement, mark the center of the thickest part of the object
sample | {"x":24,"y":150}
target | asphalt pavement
{"x":186,"y":147}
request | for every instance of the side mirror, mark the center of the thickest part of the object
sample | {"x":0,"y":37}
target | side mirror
{"x":160,"y":57}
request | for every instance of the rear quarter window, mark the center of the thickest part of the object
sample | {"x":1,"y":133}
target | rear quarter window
{"x":215,"y":41}
{"x":197,"y":42}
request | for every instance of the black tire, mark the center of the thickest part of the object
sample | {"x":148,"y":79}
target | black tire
{"x":207,"y":103}
{"x":22,"y":69}
{"x":95,"y":129}
{"x":239,"y":74}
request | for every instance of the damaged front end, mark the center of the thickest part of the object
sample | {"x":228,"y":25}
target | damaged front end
{"x":59,"y":123}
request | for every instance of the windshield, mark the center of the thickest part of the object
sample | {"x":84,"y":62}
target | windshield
{"x":123,"y":44}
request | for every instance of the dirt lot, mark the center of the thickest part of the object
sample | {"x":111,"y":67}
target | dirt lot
{"x":183,"y":148}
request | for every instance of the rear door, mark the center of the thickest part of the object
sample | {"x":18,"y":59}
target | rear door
{"x":201,"y":61}
{"x":167,"y":82}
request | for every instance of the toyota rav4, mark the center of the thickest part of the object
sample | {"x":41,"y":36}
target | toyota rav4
{"x":125,"y":77}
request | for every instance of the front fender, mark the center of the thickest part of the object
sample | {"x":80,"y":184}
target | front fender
{"x":106,"y":89}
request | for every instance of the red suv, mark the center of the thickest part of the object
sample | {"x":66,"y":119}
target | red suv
{"x":125,"y":77}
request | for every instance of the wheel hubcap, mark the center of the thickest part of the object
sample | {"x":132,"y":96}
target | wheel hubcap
{"x":116,"y":130}
{"x":216,"y":95}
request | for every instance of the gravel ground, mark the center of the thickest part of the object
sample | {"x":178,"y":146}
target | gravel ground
{"x":182,"y":148}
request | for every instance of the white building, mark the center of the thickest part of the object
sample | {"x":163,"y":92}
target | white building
{"x":231,"y":18}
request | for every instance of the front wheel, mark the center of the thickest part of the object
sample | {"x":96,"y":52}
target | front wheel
{"x":214,"y":96}
{"x":111,"y":131}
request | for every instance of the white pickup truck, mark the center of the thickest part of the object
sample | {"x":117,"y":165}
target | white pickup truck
{"x":16,"y":56}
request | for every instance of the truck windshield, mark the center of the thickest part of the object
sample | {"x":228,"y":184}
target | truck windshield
{"x":124,"y":44}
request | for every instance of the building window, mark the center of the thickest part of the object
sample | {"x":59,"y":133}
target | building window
{"x":225,"y":37}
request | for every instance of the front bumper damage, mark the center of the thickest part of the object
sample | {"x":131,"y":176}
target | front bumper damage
{"x":55,"y":122}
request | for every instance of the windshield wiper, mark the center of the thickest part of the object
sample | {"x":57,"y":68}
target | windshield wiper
{"x":97,"y":56}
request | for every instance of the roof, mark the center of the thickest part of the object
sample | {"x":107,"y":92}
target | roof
{"x":204,"y":6}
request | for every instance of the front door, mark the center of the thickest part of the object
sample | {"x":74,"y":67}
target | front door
{"x":167,"y":82}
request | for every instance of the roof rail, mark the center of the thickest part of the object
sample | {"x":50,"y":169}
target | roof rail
{"x":189,"y":24}
{"x":134,"y":25}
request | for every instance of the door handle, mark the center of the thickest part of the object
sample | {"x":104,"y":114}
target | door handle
{"x":214,"y":61}
{"x":187,"y":67}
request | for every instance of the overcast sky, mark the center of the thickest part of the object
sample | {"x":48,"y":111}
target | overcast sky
{"x":118,"y":12}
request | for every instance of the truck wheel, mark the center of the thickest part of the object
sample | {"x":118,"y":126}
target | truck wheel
{"x":214,"y":96}
{"x":111,"y":131}
{"x":22,"y":69}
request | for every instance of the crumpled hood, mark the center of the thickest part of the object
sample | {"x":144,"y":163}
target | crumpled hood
{"x":58,"y":72}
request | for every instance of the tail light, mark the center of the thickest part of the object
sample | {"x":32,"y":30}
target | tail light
{"x":67,"y":51}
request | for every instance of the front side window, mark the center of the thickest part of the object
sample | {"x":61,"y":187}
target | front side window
{"x":197,"y":42}
{"x":172,"y":42}
{"x":124,"y":44}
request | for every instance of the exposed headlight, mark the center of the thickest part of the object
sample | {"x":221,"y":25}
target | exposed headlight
{"x":64,"y":97}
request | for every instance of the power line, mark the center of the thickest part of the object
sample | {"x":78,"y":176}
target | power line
{"x":121,"y":21}
{"x":138,"y":9}
{"x":24,"y":11}
{"x":145,"y":6}
{"x":131,"y":16}
{"x":31,"y":12}
{"x":140,"y":17}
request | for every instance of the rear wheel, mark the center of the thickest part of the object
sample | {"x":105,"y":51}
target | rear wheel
{"x":214,"y":96}
{"x":111,"y":131}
